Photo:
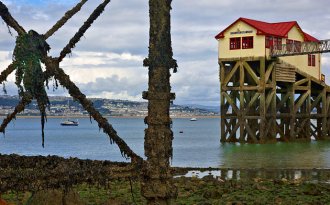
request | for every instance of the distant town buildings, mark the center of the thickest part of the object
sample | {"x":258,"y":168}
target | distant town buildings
{"x":65,"y":106}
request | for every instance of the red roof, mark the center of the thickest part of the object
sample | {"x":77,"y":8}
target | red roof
{"x":279,"y":29}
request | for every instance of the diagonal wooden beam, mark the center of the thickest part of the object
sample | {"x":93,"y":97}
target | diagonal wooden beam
{"x":251,"y":133}
{"x":279,"y":129}
{"x":251,"y":72}
{"x":233,"y":132}
{"x":26,"y":99}
{"x":5,"y":73}
{"x":252,"y":101}
{"x":313,"y":130}
{"x":64,"y":19}
{"x":316,"y":101}
{"x":301,"y":125}
{"x":300,"y":82}
{"x":301,"y":101}
{"x":225,"y":107}
{"x":269,"y":70}
{"x":283,"y":100}
{"x":76,"y":38}
{"x":231,"y":73}
{"x":269,"y":99}
{"x":227,"y":126}
{"x":9,"y":20}
{"x":231,"y":102}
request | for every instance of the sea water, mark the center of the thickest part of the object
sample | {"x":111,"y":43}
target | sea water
{"x":195,"y":144}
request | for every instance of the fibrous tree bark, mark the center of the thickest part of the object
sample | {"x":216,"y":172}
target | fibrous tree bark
{"x":157,"y":185}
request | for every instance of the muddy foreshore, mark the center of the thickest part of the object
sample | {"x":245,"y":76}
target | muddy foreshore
{"x":30,"y":180}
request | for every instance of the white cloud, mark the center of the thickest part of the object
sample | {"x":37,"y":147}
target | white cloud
{"x":108,"y":59}
{"x":123,"y":95}
{"x":82,"y":58}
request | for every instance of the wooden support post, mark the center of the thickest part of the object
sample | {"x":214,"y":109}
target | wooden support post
{"x":262,"y":83}
{"x":324,"y":114}
{"x":328,"y":114}
{"x":241,"y":117}
{"x":308,"y":111}
{"x":273,"y":104}
{"x":268,"y":106}
{"x":291,"y":106}
{"x":222,"y":101}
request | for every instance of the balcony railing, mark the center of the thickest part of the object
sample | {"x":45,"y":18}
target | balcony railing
{"x":301,"y":48}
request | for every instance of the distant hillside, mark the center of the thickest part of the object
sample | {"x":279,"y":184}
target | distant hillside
{"x":61,"y":105}
{"x":215,"y":109}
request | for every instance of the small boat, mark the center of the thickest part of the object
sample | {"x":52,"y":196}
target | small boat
{"x":70,"y":123}
{"x":193,"y":119}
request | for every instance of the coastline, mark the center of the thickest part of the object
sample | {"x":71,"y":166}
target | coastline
{"x":109,"y":116}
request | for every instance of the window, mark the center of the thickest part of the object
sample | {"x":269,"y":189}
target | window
{"x":273,"y":42}
{"x":297,"y":46}
{"x":311,"y":60}
{"x":277,"y":43}
{"x":289,"y":44}
{"x":235,"y":43}
{"x":247,"y":42}
{"x":269,"y":41}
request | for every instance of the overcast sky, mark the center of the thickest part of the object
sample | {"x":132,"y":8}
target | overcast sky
{"x":107,"y":62}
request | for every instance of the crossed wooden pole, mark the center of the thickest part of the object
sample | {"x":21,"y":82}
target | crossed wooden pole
{"x":53,"y":70}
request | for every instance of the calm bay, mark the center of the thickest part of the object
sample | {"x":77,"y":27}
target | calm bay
{"x":197,"y":146}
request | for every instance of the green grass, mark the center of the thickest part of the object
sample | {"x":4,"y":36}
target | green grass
{"x":193,"y":191}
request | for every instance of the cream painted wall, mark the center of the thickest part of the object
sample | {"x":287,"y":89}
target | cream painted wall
{"x":258,"y":41}
{"x":259,"y":50}
{"x":301,"y":61}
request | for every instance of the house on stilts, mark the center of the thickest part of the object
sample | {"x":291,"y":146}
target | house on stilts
{"x":272,"y":87}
